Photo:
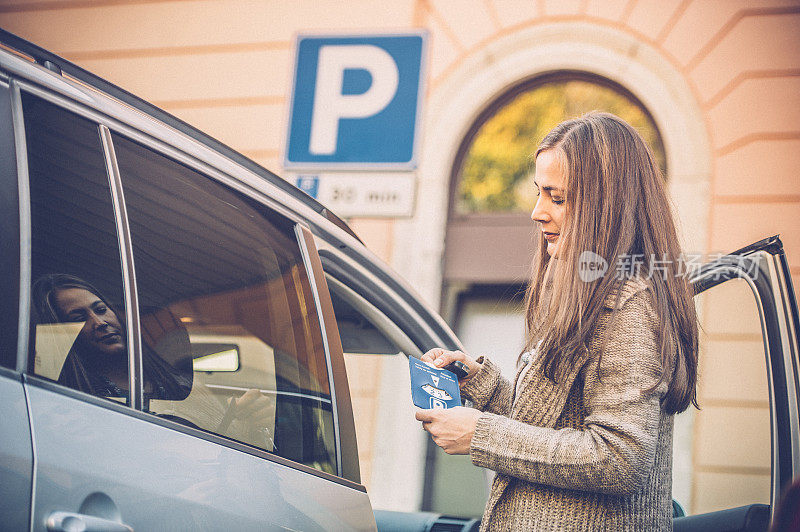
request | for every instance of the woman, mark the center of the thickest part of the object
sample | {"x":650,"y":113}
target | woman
{"x":582,"y":439}
{"x":97,"y":363}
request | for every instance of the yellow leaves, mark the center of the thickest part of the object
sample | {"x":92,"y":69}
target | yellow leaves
{"x":495,"y":173}
{"x":490,"y":185}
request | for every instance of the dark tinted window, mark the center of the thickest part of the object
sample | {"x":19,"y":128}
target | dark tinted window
{"x":78,"y":327}
{"x":222,"y":287}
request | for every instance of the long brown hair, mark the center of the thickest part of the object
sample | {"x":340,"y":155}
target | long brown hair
{"x":617,"y":207}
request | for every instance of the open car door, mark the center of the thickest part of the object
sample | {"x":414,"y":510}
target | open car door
{"x":736,"y":449}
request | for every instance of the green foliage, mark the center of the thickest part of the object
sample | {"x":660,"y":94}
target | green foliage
{"x":496,"y":175}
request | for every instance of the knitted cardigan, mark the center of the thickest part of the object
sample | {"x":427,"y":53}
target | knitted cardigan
{"x":591,"y":452}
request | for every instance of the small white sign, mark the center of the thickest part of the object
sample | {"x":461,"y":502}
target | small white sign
{"x":362,"y":194}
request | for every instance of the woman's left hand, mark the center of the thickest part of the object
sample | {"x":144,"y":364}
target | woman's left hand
{"x":452,"y":428}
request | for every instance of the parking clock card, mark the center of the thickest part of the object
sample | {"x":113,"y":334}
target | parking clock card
{"x":432,"y":387}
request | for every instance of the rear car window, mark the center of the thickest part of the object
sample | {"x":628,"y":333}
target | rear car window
{"x":78,"y":330}
{"x":223,"y":290}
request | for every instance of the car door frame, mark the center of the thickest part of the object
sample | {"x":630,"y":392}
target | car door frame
{"x":763,"y":265}
{"x":16,"y":468}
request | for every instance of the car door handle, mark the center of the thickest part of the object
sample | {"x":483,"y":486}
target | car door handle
{"x":69,"y":522}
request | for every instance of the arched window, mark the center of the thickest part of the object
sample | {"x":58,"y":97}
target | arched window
{"x":491,"y":182}
{"x":494,"y":169}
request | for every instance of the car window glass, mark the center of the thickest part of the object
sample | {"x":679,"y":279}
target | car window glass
{"x":78,"y":330}
{"x":359,"y":334}
{"x":722,"y":454}
{"x":224,"y":295}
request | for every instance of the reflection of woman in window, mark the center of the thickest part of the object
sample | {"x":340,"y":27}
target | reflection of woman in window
{"x":582,"y":439}
{"x":97,"y":363}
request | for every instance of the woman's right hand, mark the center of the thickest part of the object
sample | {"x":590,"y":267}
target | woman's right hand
{"x":442,"y":357}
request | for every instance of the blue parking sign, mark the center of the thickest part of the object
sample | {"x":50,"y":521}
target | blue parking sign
{"x":355,"y":102}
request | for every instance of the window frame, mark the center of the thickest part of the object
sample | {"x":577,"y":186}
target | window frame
{"x":135,"y":369}
{"x":344,"y":426}
{"x":347,"y":475}
{"x":15,"y":302}
{"x":498,"y":103}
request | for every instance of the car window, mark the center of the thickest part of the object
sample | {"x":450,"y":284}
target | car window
{"x":722,"y":457}
{"x":223,"y":292}
{"x":362,"y":327}
{"x":78,"y":330}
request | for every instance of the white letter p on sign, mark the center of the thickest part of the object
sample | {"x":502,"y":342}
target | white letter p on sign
{"x":330,"y":104}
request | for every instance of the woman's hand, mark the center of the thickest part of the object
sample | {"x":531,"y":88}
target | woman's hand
{"x":441,"y":357}
{"x":452,"y":428}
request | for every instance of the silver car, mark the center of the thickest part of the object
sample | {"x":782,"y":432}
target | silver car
{"x":175,"y":318}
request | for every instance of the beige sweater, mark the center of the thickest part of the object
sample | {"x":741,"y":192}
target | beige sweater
{"x":593,"y":452}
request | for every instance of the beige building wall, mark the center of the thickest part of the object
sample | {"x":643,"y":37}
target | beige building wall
{"x":732,"y":67}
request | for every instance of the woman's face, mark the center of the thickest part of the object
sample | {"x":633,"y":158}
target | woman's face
{"x":551,"y":207}
{"x":102,"y":329}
